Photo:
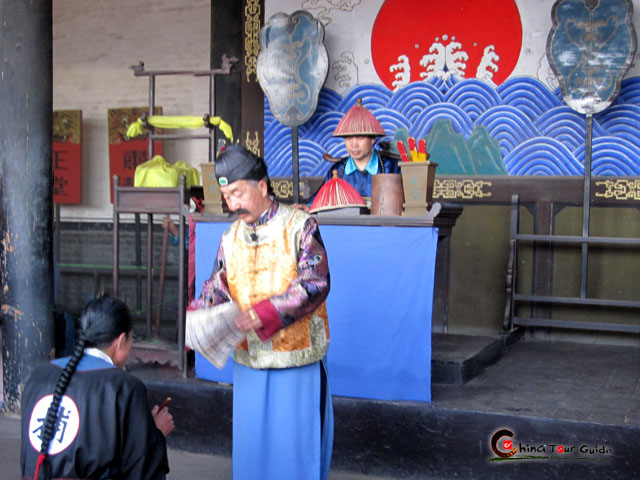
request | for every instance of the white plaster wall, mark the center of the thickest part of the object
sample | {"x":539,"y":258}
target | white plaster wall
{"x":94,"y":43}
{"x":348,"y":25}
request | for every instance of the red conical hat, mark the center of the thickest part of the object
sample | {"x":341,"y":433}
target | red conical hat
{"x":336,"y":193}
{"x":358,"y":121}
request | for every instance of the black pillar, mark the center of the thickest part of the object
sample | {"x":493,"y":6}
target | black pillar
{"x":26,"y":111}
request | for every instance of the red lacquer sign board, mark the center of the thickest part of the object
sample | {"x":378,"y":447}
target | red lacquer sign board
{"x":67,"y":156}
{"x":126,"y":154}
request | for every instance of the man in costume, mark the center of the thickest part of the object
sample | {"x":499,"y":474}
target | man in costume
{"x":360,"y":129}
{"x":84,"y":417}
{"x":272,"y":262}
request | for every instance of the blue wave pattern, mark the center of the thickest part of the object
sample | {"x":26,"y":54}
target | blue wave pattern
{"x":537,"y":132}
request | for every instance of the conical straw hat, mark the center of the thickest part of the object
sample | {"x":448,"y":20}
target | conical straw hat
{"x":336,"y":193}
{"x":358,"y":121}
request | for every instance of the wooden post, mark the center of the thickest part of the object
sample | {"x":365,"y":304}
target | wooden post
{"x":26,"y":182}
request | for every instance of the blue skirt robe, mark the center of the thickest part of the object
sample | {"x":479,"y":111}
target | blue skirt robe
{"x":282,"y":423}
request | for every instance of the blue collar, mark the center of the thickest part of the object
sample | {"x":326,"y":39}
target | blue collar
{"x":267,"y":215}
{"x":87,"y":362}
{"x":371,"y":168}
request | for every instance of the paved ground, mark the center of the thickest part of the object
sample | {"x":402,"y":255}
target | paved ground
{"x":594,"y":384}
{"x":184,"y":465}
{"x":562,"y":380}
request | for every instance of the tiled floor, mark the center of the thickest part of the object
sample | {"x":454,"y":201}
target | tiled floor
{"x":572,"y":381}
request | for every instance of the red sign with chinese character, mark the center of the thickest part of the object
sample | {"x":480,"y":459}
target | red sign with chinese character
{"x":125,"y":154}
{"x":67,"y":156}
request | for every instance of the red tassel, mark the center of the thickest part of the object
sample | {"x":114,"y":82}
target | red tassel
{"x":40,"y":460}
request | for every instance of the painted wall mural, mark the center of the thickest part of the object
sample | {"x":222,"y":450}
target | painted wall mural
{"x":443,"y":39}
{"x":469,"y":79}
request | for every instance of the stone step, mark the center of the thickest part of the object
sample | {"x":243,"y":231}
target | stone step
{"x":456,"y":359}
{"x":153,"y":351}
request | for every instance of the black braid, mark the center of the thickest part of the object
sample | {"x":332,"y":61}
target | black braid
{"x":103,"y":320}
{"x":52,"y":414}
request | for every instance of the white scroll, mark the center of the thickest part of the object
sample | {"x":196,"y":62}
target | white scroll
{"x":213,"y":333}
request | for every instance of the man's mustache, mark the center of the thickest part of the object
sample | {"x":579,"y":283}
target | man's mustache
{"x":242,"y":211}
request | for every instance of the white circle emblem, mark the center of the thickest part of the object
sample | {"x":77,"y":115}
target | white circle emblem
{"x":66,"y":428}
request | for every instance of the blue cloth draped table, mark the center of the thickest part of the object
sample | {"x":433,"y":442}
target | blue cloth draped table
{"x":379,"y":307}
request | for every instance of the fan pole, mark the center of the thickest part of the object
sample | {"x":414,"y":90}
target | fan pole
{"x":296,"y":173}
{"x":586,"y":205}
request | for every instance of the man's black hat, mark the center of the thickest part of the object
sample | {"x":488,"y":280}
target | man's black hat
{"x":237,"y":163}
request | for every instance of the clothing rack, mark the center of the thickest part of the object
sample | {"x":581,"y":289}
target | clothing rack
{"x":167,"y":201}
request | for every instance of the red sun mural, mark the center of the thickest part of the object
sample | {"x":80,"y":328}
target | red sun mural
{"x":415,"y":40}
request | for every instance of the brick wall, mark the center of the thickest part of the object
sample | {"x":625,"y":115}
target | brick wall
{"x":89,"y":246}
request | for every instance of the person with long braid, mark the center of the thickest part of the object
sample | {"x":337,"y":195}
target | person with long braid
{"x":85,"y":417}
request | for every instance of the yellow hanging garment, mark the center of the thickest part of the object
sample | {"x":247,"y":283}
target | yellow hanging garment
{"x":223,"y":126}
{"x":191,"y":174}
{"x":157,"y":172}
{"x":182,"y":121}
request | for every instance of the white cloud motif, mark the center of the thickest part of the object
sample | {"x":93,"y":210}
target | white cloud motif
{"x":434,"y":62}
{"x":545,"y":73}
{"x":323,"y":8}
{"x":455,"y":60}
{"x":403,"y":75}
{"x":444,"y":61}
{"x":345,"y":70}
{"x":488,"y":63}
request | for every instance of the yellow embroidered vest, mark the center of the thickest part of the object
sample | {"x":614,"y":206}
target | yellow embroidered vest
{"x":263,"y":266}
